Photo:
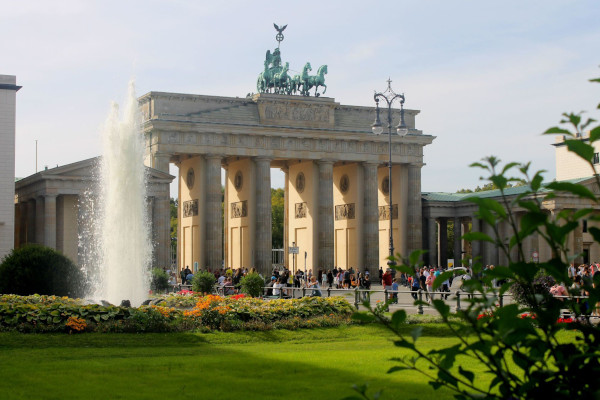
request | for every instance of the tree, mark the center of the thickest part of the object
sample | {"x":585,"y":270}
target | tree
{"x":277,"y":217}
{"x":174,"y":203}
{"x":521,"y":346}
{"x":36,"y":269}
{"x":490,"y":186}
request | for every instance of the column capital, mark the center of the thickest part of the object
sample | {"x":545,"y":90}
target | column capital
{"x":325,"y":162}
{"x":371,"y":163}
{"x":214,"y":156}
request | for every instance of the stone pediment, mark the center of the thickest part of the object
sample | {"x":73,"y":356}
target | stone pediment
{"x":84,"y":170}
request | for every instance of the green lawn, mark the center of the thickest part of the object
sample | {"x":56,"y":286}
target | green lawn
{"x":306,"y":364}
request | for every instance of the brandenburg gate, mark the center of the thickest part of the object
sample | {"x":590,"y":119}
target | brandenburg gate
{"x":336,"y":185}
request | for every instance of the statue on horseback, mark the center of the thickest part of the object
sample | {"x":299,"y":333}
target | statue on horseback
{"x":275,"y":79}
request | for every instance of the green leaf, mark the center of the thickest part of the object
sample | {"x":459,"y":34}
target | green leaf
{"x":416,"y":333}
{"x":396,"y":369}
{"x":555,"y":130}
{"x":578,"y":190}
{"x":595,"y":232}
{"x":398,"y":318}
{"x":587,"y":123}
{"x":363,"y":316}
{"x":595,"y":134}
{"x":467,"y":374}
{"x":580,"y":148}
{"x":404,"y":268}
{"x":415,"y":256}
{"x":509,"y":166}
{"x":441,"y":307}
{"x":441,"y":278}
{"x":478,"y":164}
{"x":536,"y":182}
{"x":404,"y":343}
{"x":472,"y":236}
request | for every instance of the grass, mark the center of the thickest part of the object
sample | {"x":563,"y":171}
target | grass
{"x":304,"y":364}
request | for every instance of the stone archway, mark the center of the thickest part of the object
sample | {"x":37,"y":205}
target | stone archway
{"x":334,"y":167}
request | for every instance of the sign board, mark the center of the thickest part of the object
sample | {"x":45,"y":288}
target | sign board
{"x":293,"y":250}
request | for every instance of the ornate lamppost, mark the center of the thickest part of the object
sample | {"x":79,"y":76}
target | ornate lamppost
{"x":390,"y":97}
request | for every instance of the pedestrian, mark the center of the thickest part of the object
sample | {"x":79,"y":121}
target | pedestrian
{"x":395,"y":291}
{"x":386,"y":279}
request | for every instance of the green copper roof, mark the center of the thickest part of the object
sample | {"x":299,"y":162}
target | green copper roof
{"x":442,"y":196}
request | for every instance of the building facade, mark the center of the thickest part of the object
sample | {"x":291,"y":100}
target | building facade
{"x":335,"y":179}
{"x":8,"y":95}
{"x":50,"y":209}
{"x":441,"y":208}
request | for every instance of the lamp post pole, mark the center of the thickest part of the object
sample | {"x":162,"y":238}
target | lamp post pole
{"x":389,"y":96}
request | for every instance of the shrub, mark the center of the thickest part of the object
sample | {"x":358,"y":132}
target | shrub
{"x":38,"y":269}
{"x":520,"y":345}
{"x":203,"y":282}
{"x":160,"y":280}
{"x":539,"y":289}
{"x":252,"y":284}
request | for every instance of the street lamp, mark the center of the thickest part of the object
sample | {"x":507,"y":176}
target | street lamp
{"x":390,"y":96}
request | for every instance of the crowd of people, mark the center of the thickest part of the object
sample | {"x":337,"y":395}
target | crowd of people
{"x":280,"y":281}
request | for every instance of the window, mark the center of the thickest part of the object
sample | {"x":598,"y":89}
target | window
{"x":596,"y":158}
{"x":584,"y":225}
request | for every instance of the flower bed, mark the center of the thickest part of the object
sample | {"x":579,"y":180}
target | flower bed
{"x":61,"y":314}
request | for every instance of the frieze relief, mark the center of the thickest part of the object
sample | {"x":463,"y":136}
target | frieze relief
{"x":173,"y":138}
{"x":290,"y":143}
{"x":297,"y":112}
{"x":239,"y":209}
{"x":189,"y":138}
{"x":345,"y":211}
{"x":384,"y":212}
{"x":190,"y":208}
{"x":301,"y":210}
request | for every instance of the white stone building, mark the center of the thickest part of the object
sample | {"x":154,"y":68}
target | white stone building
{"x":8,"y":94}
{"x":569,"y":165}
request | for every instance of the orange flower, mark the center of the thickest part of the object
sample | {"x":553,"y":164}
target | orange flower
{"x":76,"y":324}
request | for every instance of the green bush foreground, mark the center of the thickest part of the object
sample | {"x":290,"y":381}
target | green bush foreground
{"x":38,"y":269}
{"x":62,"y":314}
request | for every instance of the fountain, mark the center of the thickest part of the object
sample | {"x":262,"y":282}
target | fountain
{"x":116,"y":248}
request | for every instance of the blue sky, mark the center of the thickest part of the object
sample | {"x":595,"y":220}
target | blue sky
{"x":488,"y":76}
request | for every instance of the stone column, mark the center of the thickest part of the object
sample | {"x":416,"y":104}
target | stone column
{"x":50,"y":220}
{"x":475,"y":244}
{"x":286,"y":211}
{"x":325,"y":223}
{"x":490,"y":251}
{"x":214,"y":224}
{"x":414,"y":208}
{"x":466,"y":245}
{"x":151,"y":218}
{"x":30,"y":234}
{"x":226,"y":236}
{"x":39,"y":220}
{"x":457,"y":243}
{"x":432,"y":241}
{"x":370,"y":219}
{"x":443,"y":241}
{"x":578,"y":244}
{"x":504,"y":237}
{"x":262,"y":241}
{"x":163,"y":227}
